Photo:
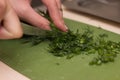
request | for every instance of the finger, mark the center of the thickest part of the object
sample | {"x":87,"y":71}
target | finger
{"x":32,"y":17}
{"x":29,"y":1}
{"x":60,"y":7}
{"x":11,"y":27}
{"x":55,"y":14}
{"x":2,"y":9}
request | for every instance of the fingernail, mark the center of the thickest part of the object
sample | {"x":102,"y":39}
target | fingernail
{"x":66,"y":28}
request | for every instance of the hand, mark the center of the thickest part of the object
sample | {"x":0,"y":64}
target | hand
{"x":26,"y":13}
{"x":9,"y":23}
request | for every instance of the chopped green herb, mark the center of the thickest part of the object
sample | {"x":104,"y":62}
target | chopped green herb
{"x":71,"y":43}
{"x":58,"y":64}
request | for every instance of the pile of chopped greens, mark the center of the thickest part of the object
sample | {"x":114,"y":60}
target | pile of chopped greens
{"x":71,"y":43}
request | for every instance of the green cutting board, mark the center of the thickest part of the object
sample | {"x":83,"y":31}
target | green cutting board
{"x":36,"y":63}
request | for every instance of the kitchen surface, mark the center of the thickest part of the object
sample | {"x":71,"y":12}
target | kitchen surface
{"x":107,"y":9}
{"x":101,"y":13}
{"x":106,"y":21}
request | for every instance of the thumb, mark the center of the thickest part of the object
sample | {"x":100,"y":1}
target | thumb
{"x":10,"y":26}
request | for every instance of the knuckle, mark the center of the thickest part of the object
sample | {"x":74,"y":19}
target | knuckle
{"x":58,"y":23}
{"x":18,"y":35}
{"x":48,"y":2}
{"x":23,"y":11}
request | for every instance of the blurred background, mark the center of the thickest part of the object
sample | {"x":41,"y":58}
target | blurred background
{"x":101,"y":13}
{"x":108,"y":9}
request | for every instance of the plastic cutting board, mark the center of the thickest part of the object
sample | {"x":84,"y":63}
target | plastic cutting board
{"x":36,"y":63}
